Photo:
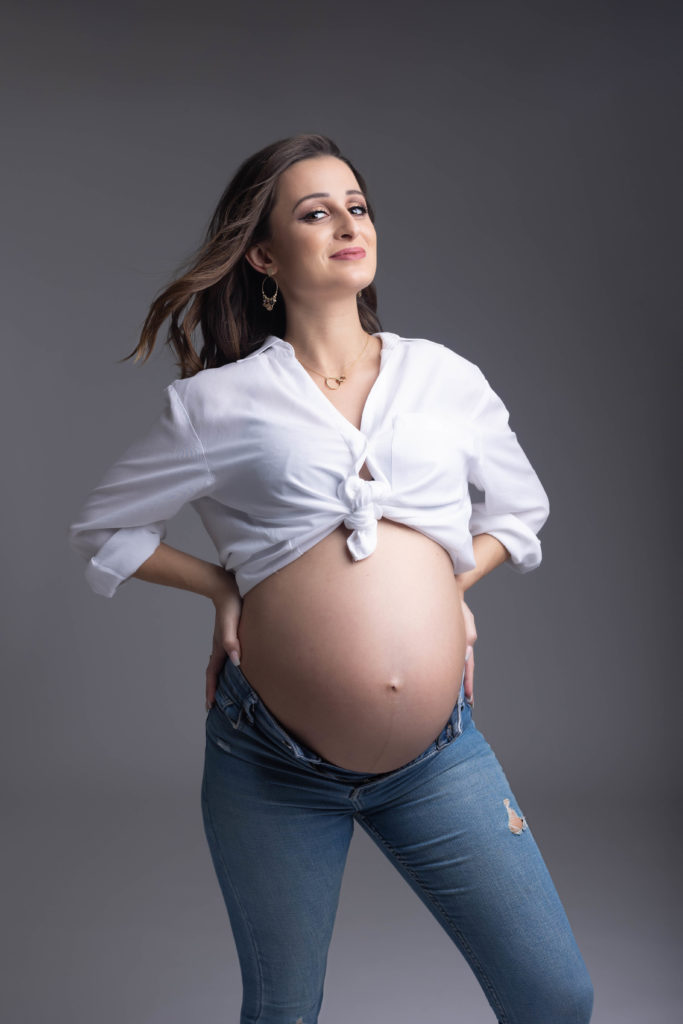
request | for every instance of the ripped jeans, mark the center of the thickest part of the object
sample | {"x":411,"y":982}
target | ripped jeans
{"x":279,"y":820}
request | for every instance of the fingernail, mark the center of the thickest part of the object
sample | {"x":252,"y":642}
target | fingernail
{"x":467,"y":655}
{"x":234,"y":657}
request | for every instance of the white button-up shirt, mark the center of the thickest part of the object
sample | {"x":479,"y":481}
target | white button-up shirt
{"x":272,"y":467}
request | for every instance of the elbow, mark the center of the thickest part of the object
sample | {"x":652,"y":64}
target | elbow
{"x":113,"y":555}
{"x":517,"y":535}
{"x":540,"y":515}
{"x":86,"y":542}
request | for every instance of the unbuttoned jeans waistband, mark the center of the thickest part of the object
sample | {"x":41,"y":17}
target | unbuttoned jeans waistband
{"x":236,"y":694}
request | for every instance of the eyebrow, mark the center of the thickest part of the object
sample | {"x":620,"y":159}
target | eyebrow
{"x":320,"y":195}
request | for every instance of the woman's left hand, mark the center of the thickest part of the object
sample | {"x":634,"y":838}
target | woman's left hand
{"x":471,"y":638}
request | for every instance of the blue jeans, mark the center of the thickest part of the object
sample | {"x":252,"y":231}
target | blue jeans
{"x":279,"y":820}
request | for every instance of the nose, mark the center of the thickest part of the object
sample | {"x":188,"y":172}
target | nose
{"x":348,"y":225}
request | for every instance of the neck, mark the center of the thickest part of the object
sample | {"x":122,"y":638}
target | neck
{"x":326,"y":338}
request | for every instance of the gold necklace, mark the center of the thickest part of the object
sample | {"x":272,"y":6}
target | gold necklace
{"x":338,"y":381}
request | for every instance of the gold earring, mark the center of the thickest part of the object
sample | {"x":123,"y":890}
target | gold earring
{"x":269,"y":300}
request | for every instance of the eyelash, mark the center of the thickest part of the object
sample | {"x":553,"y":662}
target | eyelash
{"x":319,"y":210}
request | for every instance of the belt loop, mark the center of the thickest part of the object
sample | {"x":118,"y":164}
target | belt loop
{"x":461,"y":702}
{"x":249,"y":702}
{"x":247,"y":709}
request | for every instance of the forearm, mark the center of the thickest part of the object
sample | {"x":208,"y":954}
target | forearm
{"x":488,"y":554}
{"x":173,"y":568}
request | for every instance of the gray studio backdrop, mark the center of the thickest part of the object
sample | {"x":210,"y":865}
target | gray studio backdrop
{"x":525,"y":172}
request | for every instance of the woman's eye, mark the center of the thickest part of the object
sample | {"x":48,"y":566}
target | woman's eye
{"x":356,"y":206}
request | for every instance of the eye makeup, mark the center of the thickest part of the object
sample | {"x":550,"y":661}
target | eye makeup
{"x":319,"y":209}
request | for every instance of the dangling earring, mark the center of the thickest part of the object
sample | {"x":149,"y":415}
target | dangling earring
{"x":269,"y":300}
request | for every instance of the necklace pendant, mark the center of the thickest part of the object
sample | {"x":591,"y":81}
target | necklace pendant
{"x":338,"y":381}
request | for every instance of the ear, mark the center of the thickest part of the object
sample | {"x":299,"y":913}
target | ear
{"x":260,"y":259}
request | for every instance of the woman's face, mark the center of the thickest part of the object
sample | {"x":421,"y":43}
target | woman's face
{"x":307,"y":230}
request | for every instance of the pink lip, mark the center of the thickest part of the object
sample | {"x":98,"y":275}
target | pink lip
{"x":348,"y":254}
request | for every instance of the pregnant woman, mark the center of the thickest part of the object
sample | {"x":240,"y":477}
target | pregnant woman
{"x":329,"y":461}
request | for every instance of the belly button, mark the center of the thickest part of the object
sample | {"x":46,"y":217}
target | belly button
{"x":394,"y":685}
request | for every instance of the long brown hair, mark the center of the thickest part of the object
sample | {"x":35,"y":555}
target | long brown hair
{"x":219,"y":290}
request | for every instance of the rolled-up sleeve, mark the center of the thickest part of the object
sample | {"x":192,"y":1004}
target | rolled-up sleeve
{"x":515,"y":505}
{"x":123,"y":520}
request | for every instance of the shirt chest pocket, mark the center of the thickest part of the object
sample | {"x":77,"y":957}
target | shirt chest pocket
{"x":430,"y":454}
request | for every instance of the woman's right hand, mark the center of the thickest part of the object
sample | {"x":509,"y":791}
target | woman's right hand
{"x":228,"y":605}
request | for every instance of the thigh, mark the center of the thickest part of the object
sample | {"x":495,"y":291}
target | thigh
{"x":279,"y":850}
{"x":460,"y":839}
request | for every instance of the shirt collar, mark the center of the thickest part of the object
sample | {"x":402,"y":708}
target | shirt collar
{"x":389,"y":340}
{"x":272,"y":339}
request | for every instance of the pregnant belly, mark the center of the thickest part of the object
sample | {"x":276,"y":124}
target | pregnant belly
{"x":360,"y":661}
